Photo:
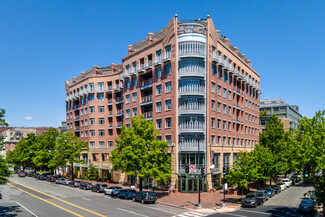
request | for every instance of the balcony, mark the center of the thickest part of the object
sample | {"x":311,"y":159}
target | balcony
{"x":76,"y":118}
{"x":231,"y":69}
{"x":110,"y":113}
{"x":148,"y":65}
{"x":191,"y":144}
{"x":141,"y":68}
{"x":100,"y":90}
{"x":215,"y":58}
{"x":167,"y":56}
{"x":221,"y":62}
{"x":157,"y":61}
{"x":146,"y":100}
{"x":119,"y":100}
{"x":84,"y":92}
{"x":76,"y":107}
{"x":191,"y":87}
{"x":119,"y":112}
{"x":118,"y":87}
{"x":191,"y":67}
{"x":146,"y":84}
{"x":76,"y":129}
{"x":108,"y":89}
{"x":191,"y":124}
{"x":109,"y":101}
{"x":191,"y":105}
{"x":119,"y":124}
{"x":125,"y":74}
{"x":110,"y":126}
{"x":133,"y":71}
{"x":192,"y":49}
{"x":147,"y":115}
{"x":91,"y":90}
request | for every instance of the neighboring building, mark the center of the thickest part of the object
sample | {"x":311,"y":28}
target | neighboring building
{"x":12,"y":135}
{"x":194,"y":86}
{"x":63,"y":127}
{"x":289,"y":114}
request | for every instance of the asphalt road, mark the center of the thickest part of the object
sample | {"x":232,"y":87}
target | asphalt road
{"x":25,"y":197}
{"x":284,"y":204}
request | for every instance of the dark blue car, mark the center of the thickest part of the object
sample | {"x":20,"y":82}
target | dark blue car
{"x":126,"y":193}
{"x":270,"y":192}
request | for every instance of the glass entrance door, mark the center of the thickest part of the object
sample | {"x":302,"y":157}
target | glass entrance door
{"x":191,"y":184}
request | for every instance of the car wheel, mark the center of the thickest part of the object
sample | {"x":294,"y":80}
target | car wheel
{"x":153,"y":202}
{"x":133,"y":199}
{"x":142,"y":201}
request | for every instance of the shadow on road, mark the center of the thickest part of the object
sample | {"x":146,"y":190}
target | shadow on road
{"x":9,"y":211}
{"x":288,"y":212}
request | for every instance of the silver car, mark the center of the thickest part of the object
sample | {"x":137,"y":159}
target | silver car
{"x":112,"y":190}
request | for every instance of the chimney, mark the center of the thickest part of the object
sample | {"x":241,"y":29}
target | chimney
{"x":227,"y":42}
{"x":150,"y":36}
{"x":218,"y":33}
{"x":236,"y":50}
{"x":249,"y":62}
{"x":130,"y":49}
{"x":82,"y":74}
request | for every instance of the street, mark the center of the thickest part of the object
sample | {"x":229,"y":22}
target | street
{"x":284,"y":204}
{"x":25,"y":197}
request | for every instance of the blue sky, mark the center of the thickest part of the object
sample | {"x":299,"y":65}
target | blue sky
{"x":44,"y":43}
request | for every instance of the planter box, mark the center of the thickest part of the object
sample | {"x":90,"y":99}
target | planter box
{"x":175,"y":191}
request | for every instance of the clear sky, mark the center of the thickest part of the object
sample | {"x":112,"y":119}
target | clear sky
{"x":44,"y":43}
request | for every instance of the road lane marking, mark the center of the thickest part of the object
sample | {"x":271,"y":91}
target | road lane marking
{"x":85,"y":198}
{"x":26,"y":209}
{"x":227,"y":213}
{"x":46,"y":201}
{"x":264,"y":213}
{"x":160,"y":210}
{"x":95,"y":213}
{"x":131,"y":212}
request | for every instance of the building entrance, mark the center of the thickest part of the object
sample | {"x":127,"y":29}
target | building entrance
{"x":190,"y":183}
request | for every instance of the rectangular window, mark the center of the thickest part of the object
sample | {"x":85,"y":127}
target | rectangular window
{"x":230,"y":79}
{"x":158,"y":72}
{"x":100,"y":109}
{"x":134,"y":95}
{"x":101,"y":133}
{"x":110,"y":144}
{"x":224,"y":92}
{"x":213,"y":69}
{"x":219,"y":107}
{"x":245,"y":103}
{"x":229,"y":94}
{"x":212,"y":139}
{"x":158,"y":89}
{"x":168,"y":122}
{"x":218,"y":140}
{"x":168,"y":87}
{"x":86,"y":111}
{"x":168,"y":104}
{"x":92,"y":144}
{"x":219,"y":124}
{"x":169,"y":139}
{"x":213,"y":106}
{"x":159,"y":137}
{"x":229,"y":110}
{"x":158,"y":107}
{"x":224,"y":123}
{"x":134,"y":81}
{"x":158,"y":123}
{"x":101,"y":144}
{"x":225,"y":76}
{"x":224,"y":108}
{"x":229,"y":126}
{"x":213,"y":87}
{"x":82,"y":123}
{"x":127,"y":84}
{"x":135,"y":112}
{"x":168,"y":69}
{"x":100,"y":87}
{"x":219,"y":73}
{"x":127,"y":98}
{"x":86,"y":122}
{"x":91,"y":87}
{"x":224,"y":141}
{"x":213,"y":122}
{"x":91,"y":98}
{"x":100,"y":97}
{"x":128,"y":113}
{"x":92,"y":133}
{"x":219,"y":90}
{"x":101,"y":121}
{"x":229,"y":140}
{"x":91,"y":121}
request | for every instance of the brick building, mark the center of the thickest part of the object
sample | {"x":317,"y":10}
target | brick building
{"x":199,"y":91}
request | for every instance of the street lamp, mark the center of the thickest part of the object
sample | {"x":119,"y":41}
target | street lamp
{"x":196,"y":137}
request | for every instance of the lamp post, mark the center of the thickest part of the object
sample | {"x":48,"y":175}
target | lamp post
{"x":196,"y":137}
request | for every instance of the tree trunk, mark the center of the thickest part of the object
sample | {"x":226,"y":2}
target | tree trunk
{"x":140,"y":186}
{"x":270,"y":181}
{"x":72,"y":177}
{"x":241,"y":196}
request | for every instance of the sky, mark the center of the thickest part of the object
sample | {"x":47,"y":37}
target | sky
{"x":45,"y":43}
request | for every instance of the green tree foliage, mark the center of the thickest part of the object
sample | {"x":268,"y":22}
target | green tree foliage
{"x":2,"y":124}
{"x":242,"y":171}
{"x":4,"y":168}
{"x":92,"y":173}
{"x":139,"y":152}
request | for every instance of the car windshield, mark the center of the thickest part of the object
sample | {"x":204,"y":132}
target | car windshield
{"x":132,"y":191}
{"x":118,"y":188}
{"x":151,"y":194}
{"x":250,"y":196}
{"x":104,"y":185}
{"x":260,"y":194}
{"x":285,"y":180}
{"x":268,"y":189}
{"x":306,"y":202}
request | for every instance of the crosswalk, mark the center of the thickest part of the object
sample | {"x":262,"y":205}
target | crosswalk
{"x":190,"y":214}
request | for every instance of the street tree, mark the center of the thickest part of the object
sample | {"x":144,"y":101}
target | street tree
{"x":4,"y":168}
{"x":243,"y":171}
{"x":92,"y":173}
{"x":139,"y":152}
{"x":67,"y":149}
{"x":3,"y":123}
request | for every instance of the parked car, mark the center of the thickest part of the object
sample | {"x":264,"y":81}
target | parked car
{"x":59,"y":180}
{"x":71,"y":184}
{"x":262,"y":196}
{"x":282,"y":185}
{"x":44,"y":177}
{"x":51,"y":178}
{"x":269,"y":191}
{"x":22,"y":174}
{"x":76,"y":184}
{"x":287,"y":182}
{"x":307,"y":205}
{"x":276,"y":188}
{"x":145,"y":197}
{"x":0,"y":196}
{"x":112,"y":190}
{"x":67,"y":181}
{"x":126,"y":193}
{"x":99,"y":188}
{"x":250,"y":200}
{"x":85,"y":186}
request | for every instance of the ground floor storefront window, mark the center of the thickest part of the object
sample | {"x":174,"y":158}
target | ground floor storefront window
{"x":190,"y":183}
{"x":216,"y":182}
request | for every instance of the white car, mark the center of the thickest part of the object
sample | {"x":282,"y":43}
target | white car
{"x":112,"y":190}
{"x":287,"y":182}
{"x":282,"y":185}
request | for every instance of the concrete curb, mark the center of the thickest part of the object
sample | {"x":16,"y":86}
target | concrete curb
{"x":172,"y":205}
{"x":221,"y":210}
